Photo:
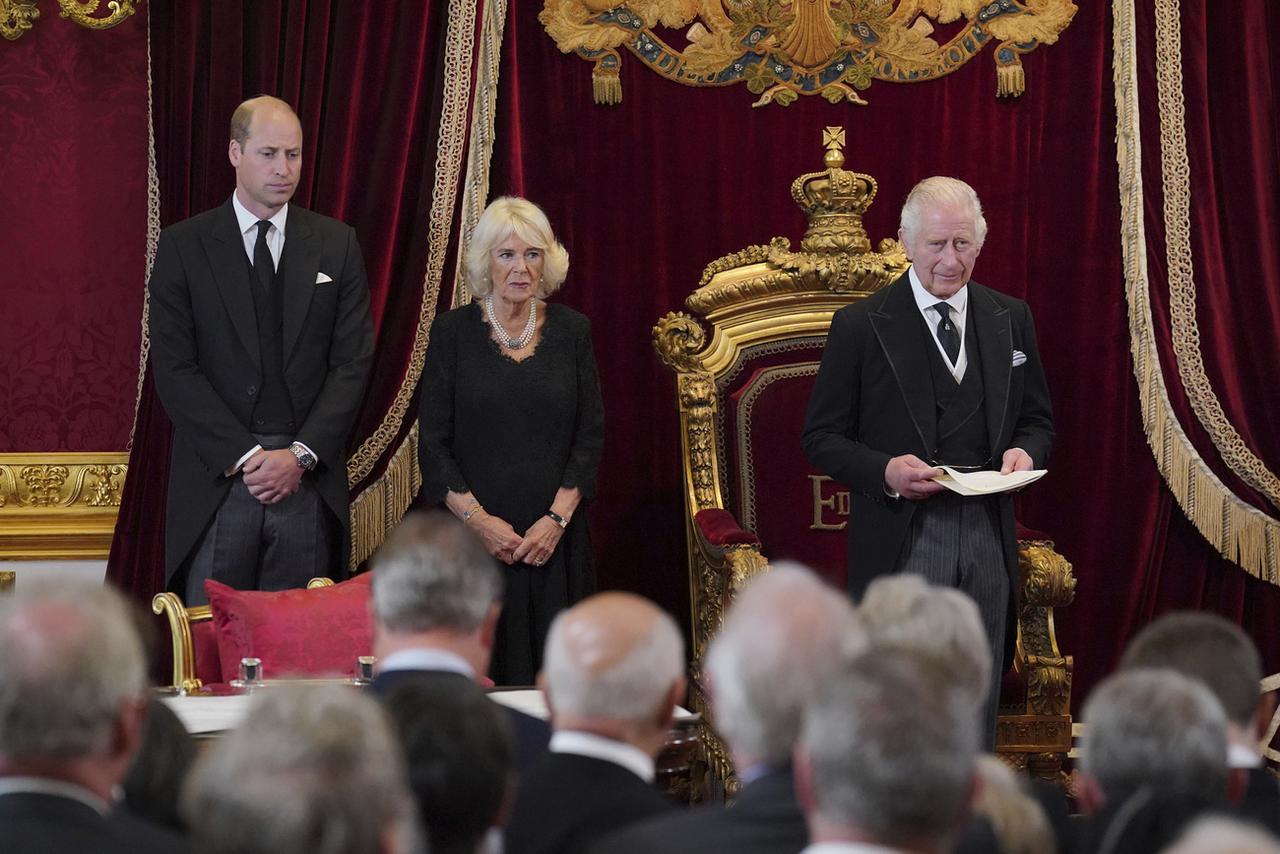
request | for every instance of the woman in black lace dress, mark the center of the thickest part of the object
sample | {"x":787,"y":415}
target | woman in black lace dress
{"x":511,"y":425}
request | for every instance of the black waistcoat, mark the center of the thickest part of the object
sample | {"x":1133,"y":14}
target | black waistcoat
{"x":962,"y":419}
{"x":273,"y":412}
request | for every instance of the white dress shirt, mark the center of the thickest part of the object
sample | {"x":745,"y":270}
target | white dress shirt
{"x":848,"y":848}
{"x":423,"y":658}
{"x":958,"y":301}
{"x":620,"y":753}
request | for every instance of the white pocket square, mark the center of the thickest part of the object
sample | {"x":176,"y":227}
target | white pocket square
{"x":1018,"y":357}
{"x":321,"y":278}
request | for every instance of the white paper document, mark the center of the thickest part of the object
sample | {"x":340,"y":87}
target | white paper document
{"x":986,"y":482}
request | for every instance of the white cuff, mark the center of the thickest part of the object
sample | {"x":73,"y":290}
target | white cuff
{"x":235,"y":469}
{"x":303,"y":446}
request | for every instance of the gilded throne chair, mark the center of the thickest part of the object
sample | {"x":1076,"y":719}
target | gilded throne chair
{"x":745,"y":355}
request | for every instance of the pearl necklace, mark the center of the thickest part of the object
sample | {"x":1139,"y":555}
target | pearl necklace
{"x":521,"y":341}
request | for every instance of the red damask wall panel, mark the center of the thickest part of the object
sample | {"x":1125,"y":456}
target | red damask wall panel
{"x":73,"y":220}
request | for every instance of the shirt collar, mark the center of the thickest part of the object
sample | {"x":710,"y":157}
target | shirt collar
{"x":594,"y":746}
{"x":848,"y":848}
{"x":54,"y":788}
{"x":924,"y":299}
{"x":247,"y":220}
{"x":1239,"y":756}
{"x":425,"y":658}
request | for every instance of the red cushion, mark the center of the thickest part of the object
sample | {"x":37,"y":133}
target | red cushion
{"x":719,"y":528}
{"x":204,"y":640}
{"x":295,"y":632}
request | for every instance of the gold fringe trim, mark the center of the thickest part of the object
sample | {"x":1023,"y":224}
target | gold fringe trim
{"x":450,"y":150}
{"x":480,"y":145}
{"x":1239,"y":531}
{"x":381,"y":505}
{"x":153,"y":240}
{"x":1011,"y":80}
{"x":1184,"y":328}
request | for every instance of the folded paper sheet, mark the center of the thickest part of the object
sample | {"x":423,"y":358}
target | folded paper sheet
{"x":986,"y":482}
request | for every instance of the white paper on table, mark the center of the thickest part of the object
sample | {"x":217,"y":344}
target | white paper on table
{"x":531,"y":702}
{"x":202,"y":715}
{"x":986,"y":482}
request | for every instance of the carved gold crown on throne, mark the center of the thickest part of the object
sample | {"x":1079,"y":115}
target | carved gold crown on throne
{"x":835,"y":257}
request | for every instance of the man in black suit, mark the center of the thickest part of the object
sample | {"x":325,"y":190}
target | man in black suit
{"x":1217,"y":652}
{"x":612,"y":673}
{"x":933,"y":370}
{"x":437,"y":595}
{"x":784,"y":638}
{"x":260,"y":342}
{"x":73,"y":697}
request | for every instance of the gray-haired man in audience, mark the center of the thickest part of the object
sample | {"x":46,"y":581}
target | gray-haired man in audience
{"x":1153,"y":757}
{"x":786,"y":634}
{"x":312,"y":769}
{"x":887,"y":758}
{"x":612,"y":673}
{"x":73,"y":697}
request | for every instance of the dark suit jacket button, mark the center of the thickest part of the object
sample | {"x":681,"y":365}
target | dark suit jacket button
{"x":252,"y":390}
{"x":258,"y":421}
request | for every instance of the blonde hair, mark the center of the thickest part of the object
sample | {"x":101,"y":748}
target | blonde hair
{"x":504,"y":217}
{"x":941,"y":190}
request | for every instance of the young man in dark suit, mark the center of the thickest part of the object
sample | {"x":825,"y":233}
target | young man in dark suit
{"x":934,"y":369}
{"x":612,"y":674}
{"x":436,"y":598}
{"x":261,"y":340}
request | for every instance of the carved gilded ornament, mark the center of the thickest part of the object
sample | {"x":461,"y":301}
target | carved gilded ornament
{"x":60,"y":505}
{"x":18,"y":16}
{"x":782,"y":49}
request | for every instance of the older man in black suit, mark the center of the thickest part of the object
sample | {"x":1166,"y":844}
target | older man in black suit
{"x":933,"y":370}
{"x":785,"y":637}
{"x":73,"y":697}
{"x":260,"y":341}
{"x":612,"y":673}
{"x":436,"y":598}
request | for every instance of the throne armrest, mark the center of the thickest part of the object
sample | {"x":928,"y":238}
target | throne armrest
{"x":719,"y":528}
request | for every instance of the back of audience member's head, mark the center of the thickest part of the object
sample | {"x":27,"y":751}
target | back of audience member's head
{"x":164,"y":758}
{"x":458,"y":746}
{"x":1156,"y":730}
{"x":613,"y":657}
{"x":887,"y":754}
{"x":906,"y":612}
{"x":312,"y":769}
{"x":1018,"y":820}
{"x":72,"y":674}
{"x":431,"y":573}
{"x":783,"y":637}
{"x":1222,"y":835}
{"x":1208,"y":648}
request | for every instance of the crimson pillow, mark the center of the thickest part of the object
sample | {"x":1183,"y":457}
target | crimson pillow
{"x":295,"y":632}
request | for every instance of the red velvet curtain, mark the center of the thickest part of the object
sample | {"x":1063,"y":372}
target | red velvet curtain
{"x":646,"y":193}
{"x":365,"y":80}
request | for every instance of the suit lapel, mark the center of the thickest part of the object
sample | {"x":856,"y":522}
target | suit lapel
{"x":991,"y":322}
{"x":897,"y":327}
{"x":225,"y":247}
{"x":301,"y":263}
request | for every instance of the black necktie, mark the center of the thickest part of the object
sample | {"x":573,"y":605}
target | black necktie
{"x":948,"y":335}
{"x":263,"y":267}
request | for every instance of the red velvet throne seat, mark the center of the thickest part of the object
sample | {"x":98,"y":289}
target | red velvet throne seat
{"x":750,"y":494}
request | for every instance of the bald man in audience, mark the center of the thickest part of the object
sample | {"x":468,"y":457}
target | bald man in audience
{"x":782,"y":640}
{"x":1217,"y":652}
{"x":612,"y":674}
{"x":73,"y":698}
{"x":887,"y":759}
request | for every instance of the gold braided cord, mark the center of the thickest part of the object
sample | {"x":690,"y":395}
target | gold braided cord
{"x":480,"y":145}
{"x":1182,"y":287}
{"x":153,"y":239}
{"x":450,"y":150}
{"x":1239,"y":531}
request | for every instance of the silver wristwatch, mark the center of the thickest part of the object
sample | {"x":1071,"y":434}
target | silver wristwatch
{"x":306,"y":459}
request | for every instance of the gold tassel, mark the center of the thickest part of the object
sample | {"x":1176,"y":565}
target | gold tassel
{"x":606,"y":85}
{"x":1010,"y":79}
{"x":382,"y":504}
